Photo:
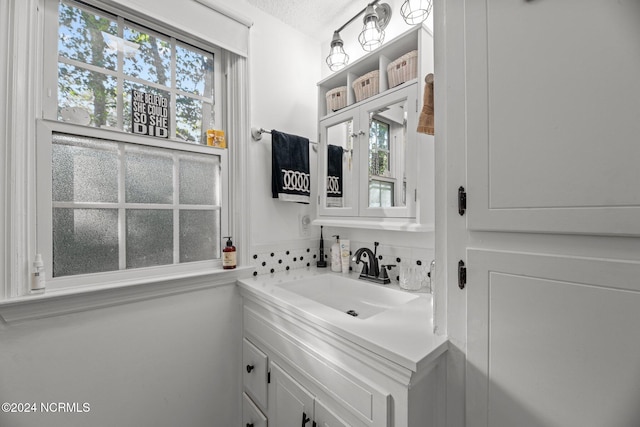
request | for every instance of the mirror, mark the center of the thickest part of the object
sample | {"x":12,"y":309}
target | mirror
{"x":368,"y":159}
{"x":386,"y":156}
{"x":340,"y":171}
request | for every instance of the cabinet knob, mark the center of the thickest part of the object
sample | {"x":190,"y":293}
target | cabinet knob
{"x":250,"y":368}
{"x":354,"y":135}
{"x":249,"y":424}
{"x":361,"y":132}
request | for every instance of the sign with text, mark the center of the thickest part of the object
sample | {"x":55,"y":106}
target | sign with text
{"x":149,"y":114}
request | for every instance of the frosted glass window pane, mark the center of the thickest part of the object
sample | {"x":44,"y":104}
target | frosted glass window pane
{"x":148,"y":175}
{"x":149,"y":237}
{"x":200,"y":180}
{"x":199,"y":235}
{"x":84,"y":170}
{"x":84,"y":241}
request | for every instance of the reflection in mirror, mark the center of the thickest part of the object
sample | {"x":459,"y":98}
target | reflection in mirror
{"x":339,"y":164}
{"x":387,"y":148}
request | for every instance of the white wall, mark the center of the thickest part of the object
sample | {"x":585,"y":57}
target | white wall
{"x":284,"y":73}
{"x":283,"y":76}
{"x":163,"y":362}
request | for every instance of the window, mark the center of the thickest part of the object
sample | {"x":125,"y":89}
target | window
{"x":380,"y":183}
{"x":102,"y":58}
{"x":152,"y":219}
{"x":116,"y":202}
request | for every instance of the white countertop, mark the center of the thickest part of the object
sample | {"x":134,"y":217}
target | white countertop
{"x":403,"y":334}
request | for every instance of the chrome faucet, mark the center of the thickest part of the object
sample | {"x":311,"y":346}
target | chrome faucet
{"x":370,"y":270}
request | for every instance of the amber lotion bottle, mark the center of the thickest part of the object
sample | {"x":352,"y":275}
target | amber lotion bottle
{"x":229,"y":255}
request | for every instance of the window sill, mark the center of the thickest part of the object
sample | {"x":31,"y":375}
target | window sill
{"x":59,"y":302}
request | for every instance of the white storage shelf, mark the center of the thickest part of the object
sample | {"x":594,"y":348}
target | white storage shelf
{"x":376,"y":60}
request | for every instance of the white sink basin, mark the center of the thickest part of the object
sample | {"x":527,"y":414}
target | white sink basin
{"x":357,"y":298}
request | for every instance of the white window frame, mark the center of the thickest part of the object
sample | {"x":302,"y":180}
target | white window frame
{"x":44,"y":240}
{"x":49,"y":125}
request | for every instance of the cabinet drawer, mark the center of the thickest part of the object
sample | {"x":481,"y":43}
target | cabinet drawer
{"x":254,"y":373}
{"x":251,"y":414}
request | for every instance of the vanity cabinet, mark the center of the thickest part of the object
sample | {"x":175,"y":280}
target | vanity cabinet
{"x":294,"y":405}
{"x":317,"y":375}
{"x":386,"y":176}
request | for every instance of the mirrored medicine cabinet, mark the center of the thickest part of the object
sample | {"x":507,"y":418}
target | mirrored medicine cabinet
{"x":374,"y":169}
{"x":367,"y":158}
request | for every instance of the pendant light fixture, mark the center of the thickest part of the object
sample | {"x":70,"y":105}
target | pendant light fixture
{"x":376,"y":18}
{"x":415,"y":11}
{"x":371,"y":35}
{"x":337,"y":58}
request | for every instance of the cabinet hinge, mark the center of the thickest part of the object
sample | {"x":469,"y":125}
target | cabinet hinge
{"x":462,"y":274}
{"x":462,"y":200}
{"x":269,"y":377}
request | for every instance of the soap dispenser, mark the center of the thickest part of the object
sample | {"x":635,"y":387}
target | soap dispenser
{"x":229,"y":255}
{"x":336,"y":262}
{"x":321,"y":262}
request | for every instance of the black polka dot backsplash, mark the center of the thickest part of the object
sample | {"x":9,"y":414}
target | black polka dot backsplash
{"x":273,"y":260}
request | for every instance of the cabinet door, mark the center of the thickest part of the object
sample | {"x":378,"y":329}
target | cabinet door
{"x":326,"y":418}
{"x":386,"y":149}
{"x":338,"y":195}
{"x":552,"y":116}
{"x":290,"y":404}
{"x":254,"y":373}
{"x":553,"y":341}
{"x":251,"y":414}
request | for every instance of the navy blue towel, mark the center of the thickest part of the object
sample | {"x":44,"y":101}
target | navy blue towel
{"x":334,"y":176}
{"x":290,"y":179}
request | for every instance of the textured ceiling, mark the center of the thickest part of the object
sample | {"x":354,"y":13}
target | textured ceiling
{"x":316,"y":18}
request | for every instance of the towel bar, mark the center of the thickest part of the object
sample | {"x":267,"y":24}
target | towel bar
{"x":256,"y":134}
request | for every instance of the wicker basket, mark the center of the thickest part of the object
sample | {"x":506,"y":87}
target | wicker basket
{"x":336,"y":98}
{"x":403,"y":69}
{"x":367,"y":85}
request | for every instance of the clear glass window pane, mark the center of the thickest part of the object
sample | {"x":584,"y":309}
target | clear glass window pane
{"x":194,"y":71}
{"x":149,"y":57}
{"x":379,"y":164}
{"x":199,"y":235}
{"x":84,"y":241}
{"x":149,"y":237}
{"x":86,"y":97}
{"x":189,"y":119}
{"x":148,"y":175}
{"x":84,"y":170}
{"x":126,"y":101}
{"x":87,"y":37}
{"x":200,"y":180}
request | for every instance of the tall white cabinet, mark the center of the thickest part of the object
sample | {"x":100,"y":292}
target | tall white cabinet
{"x":550,"y":233}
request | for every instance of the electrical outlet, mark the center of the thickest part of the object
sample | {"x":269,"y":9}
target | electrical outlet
{"x":304,"y":225}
